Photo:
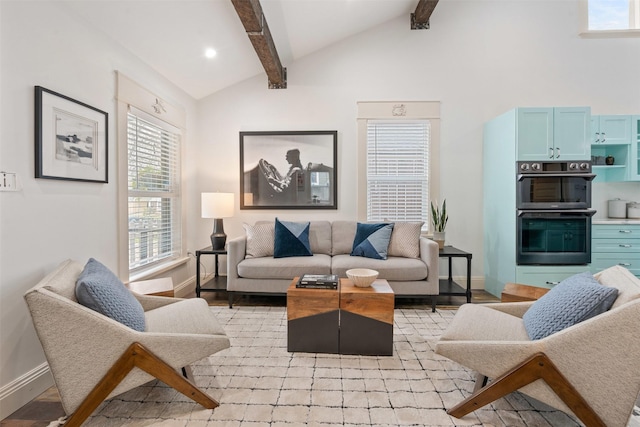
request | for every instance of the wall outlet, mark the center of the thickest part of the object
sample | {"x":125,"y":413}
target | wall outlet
{"x":8,"y":181}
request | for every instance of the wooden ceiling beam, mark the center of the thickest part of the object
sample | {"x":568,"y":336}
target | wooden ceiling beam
{"x":420,"y":18}
{"x":255,"y":24}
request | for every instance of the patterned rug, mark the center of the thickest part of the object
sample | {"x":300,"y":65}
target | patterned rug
{"x":259,"y":383}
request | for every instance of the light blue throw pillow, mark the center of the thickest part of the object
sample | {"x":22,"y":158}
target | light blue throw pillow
{"x":291,"y":239}
{"x":372,"y":240}
{"x":577,"y":298}
{"x":99,"y":289}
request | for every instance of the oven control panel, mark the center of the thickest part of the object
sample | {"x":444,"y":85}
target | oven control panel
{"x":582,"y":166}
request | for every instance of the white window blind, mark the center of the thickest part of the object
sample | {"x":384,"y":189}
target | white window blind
{"x":398,"y":170}
{"x":153,"y":190}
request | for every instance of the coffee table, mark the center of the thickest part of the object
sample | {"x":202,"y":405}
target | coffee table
{"x":347,"y":320}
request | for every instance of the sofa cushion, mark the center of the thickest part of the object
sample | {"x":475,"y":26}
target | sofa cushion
{"x":291,"y":239}
{"x":260,"y":239}
{"x":392,"y":268}
{"x":342,"y":234}
{"x":320,"y":237}
{"x":372,"y":240}
{"x":170,"y":318}
{"x":405,"y":239}
{"x":100,"y":290}
{"x":623,"y":280}
{"x":575,"y":299}
{"x":283,"y":268}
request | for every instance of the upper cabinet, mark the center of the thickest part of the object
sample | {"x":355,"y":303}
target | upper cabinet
{"x":611,"y":129}
{"x":562,"y":133}
{"x":634,"y":173}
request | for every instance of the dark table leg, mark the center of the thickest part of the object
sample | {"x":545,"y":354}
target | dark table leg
{"x":468,"y":279}
{"x":197,"y":274}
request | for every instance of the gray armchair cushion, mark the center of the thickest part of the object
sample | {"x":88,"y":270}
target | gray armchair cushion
{"x":100,"y":290}
{"x":575,"y":299}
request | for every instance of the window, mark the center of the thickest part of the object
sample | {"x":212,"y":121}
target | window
{"x":397,"y":174}
{"x":397,"y":170}
{"x":613,"y":15}
{"x":153,"y":159}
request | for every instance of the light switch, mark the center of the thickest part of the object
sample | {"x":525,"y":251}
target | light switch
{"x":8,"y":181}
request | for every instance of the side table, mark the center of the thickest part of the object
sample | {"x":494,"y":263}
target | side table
{"x":448,"y":286}
{"x":218,"y":283}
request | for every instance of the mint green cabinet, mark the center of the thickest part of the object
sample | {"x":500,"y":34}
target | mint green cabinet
{"x":634,"y":157}
{"x":611,"y":137}
{"x":610,"y":130}
{"x":615,"y":244}
{"x":546,"y":276}
{"x":562,"y":133}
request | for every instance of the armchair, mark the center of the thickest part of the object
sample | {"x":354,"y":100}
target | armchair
{"x":93,"y":357}
{"x":589,"y":369}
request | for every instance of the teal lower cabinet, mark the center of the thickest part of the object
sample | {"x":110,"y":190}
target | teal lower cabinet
{"x":615,"y":244}
{"x":547,"y":276}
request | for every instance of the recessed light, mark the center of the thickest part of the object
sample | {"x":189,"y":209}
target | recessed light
{"x":210,"y":53}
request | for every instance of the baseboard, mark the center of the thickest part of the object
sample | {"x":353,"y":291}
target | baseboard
{"x":23,"y":390}
{"x":477,"y":283}
{"x":185,"y":288}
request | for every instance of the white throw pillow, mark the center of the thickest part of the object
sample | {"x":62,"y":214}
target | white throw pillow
{"x":405,"y":240}
{"x":260,"y":239}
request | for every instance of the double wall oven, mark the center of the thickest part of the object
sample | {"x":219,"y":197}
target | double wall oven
{"x":554,"y":213}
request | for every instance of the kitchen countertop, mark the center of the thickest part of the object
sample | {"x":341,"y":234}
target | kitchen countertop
{"x":596,"y":221}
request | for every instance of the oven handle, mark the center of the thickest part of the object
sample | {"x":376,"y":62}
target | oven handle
{"x":583,"y":212}
{"x":587,"y":176}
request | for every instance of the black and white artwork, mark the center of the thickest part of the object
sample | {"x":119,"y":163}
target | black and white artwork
{"x":288,"y":170}
{"x":71,"y":138}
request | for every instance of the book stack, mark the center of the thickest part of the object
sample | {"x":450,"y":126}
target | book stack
{"x":318,"y":281}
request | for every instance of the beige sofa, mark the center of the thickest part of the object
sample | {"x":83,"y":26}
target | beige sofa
{"x":331,"y":244}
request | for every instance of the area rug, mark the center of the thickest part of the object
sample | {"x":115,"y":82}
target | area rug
{"x":259,"y":383}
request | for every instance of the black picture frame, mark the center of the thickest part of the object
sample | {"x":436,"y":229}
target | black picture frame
{"x":289,"y":170}
{"x":71,"y":139}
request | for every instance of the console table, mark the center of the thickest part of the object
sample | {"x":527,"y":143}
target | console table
{"x":219,"y":284}
{"x":448,"y":286}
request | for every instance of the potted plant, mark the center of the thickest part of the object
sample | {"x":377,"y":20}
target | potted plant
{"x":439,"y":219}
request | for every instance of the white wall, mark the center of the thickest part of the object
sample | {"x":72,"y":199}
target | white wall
{"x":480,"y":58}
{"x":48,"y":221}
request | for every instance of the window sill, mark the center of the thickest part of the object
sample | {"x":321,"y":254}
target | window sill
{"x":158,"y":269}
{"x":609,"y":34}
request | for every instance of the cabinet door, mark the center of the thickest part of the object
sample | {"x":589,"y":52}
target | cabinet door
{"x":615,"y":129}
{"x":547,"y":276}
{"x":535,"y":134}
{"x":572,"y":133}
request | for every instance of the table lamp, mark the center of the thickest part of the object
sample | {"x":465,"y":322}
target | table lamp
{"x":217,"y":206}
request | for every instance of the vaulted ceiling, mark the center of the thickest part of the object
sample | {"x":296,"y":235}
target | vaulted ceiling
{"x":172,"y":35}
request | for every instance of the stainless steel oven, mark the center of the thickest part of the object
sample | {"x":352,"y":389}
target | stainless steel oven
{"x":554,"y":237}
{"x":554,"y":185}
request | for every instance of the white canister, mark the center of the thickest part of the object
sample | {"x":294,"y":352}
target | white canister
{"x":633,"y":210}
{"x":617,"y":208}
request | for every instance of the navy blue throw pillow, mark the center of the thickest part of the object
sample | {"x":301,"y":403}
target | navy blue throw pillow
{"x":372,"y":240}
{"x":291,"y":239}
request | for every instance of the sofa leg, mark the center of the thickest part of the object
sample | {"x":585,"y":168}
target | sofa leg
{"x":230,"y":294}
{"x":434,"y":298}
{"x":538,"y":366}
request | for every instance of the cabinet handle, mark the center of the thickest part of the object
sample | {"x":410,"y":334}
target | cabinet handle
{"x":550,"y":153}
{"x":557,"y":152}
{"x":624,"y":264}
{"x":625,"y":246}
{"x":624,"y":231}
{"x":603,"y":137}
{"x":597,"y":137}
{"x":551,"y":283}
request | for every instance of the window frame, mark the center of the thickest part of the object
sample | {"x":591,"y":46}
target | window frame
{"x":632,"y":31}
{"x":402,"y":111}
{"x":131,"y":94}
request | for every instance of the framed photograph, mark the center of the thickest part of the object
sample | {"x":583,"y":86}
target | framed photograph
{"x":289,"y":170}
{"x":71,"y":138}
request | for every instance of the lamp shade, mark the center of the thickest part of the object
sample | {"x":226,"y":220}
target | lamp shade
{"x":217,"y":205}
